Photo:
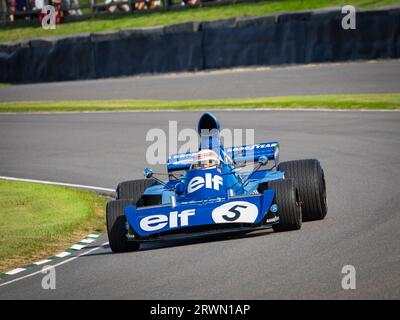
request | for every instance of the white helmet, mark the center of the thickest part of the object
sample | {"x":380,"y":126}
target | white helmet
{"x":205,"y":159}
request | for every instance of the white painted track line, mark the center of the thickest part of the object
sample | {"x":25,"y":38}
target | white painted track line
{"x":63,"y":254}
{"x":78,"y":246}
{"x":93,"y":235}
{"x":15,"y":271}
{"x":39,"y":263}
{"x":53,"y":266}
{"x":57,"y":184}
{"x":87,"y":240}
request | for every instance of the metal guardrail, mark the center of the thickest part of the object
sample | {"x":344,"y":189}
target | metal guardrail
{"x":89,"y":8}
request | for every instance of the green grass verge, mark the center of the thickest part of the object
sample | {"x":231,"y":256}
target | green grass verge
{"x":166,"y":18}
{"x":354,"y":101}
{"x":37,"y":221}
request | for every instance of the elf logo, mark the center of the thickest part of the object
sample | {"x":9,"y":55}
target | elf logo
{"x":209,"y":181}
{"x":159,"y":221}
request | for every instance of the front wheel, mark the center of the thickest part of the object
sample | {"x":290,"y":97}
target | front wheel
{"x":289,"y":206}
{"x":133,"y":189}
{"x":310,"y":180}
{"x":116,"y":226}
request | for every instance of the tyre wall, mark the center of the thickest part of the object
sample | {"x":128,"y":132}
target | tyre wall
{"x":302,"y":37}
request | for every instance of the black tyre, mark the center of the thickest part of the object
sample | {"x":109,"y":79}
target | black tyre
{"x":133,"y":189}
{"x":116,"y":226}
{"x":289,"y":208}
{"x":310,"y":180}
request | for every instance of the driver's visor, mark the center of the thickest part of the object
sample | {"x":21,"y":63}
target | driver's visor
{"x":206,"y":163}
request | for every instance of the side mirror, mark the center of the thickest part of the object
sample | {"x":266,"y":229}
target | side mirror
{"x":148,"y":173}
{"x":179,"y":188}
{"x":263,"y":160}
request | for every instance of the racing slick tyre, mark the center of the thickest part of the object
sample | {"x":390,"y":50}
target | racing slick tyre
{"x":310,"y":181}
{"x":133,"y":189}
{"x":289,"y":207}
{"x":116,"y":226}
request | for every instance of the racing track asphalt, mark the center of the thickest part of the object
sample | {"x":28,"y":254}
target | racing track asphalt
{"x":358,"y":150}
{"x":331,"y":78}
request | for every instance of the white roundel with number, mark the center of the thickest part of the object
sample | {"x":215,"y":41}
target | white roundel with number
{"x":235,"y":212}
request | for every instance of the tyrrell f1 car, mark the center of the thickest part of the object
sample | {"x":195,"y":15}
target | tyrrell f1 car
{"x":213,"y":194}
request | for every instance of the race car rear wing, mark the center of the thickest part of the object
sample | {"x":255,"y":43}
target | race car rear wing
{"x":240,"y":154}
{"x":254,"y":151}
{"x":181,"y":161}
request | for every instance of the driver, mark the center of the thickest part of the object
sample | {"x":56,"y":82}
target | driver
{"x":205,"y":159}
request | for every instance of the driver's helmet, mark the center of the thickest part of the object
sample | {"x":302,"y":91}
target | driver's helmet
{"x":205,"y":159}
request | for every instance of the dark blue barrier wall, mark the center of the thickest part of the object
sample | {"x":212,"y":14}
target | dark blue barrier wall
{"x":315,"y":36}
{"x":147,"y":51}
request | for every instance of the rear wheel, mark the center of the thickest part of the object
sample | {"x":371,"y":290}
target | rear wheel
{"x":116,"y":229}
{"x":289,"y":208}
{"x":310,"y":180}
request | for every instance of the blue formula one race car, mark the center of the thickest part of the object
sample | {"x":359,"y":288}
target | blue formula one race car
{"x":209,"y":192}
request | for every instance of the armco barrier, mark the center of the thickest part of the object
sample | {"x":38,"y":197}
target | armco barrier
{"x":300,"y":37}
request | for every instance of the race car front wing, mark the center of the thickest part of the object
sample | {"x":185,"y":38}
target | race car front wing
{"x":202,"y":217}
